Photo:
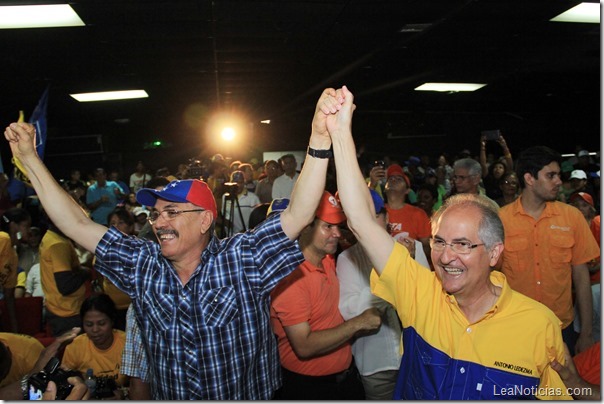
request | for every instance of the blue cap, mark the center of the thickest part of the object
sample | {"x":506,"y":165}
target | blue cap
{"x":277,"y":205}
{"x":378,"y":202}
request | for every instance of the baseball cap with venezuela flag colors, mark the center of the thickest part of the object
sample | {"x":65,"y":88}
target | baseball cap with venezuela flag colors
{"x":196,"y":192}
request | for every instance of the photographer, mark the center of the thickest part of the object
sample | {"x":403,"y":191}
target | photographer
{"x":244,"y":202}
{"x":12,"y":363}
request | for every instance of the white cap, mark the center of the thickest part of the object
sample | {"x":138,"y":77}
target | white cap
{"x":138,"y":210}
{"x":578,"y":174}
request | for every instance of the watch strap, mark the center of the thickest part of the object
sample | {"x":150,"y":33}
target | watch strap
{"x":320,"y":153}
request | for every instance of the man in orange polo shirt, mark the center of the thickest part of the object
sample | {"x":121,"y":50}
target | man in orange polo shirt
{"x":314,"y":340}
{"x":548,"y":245}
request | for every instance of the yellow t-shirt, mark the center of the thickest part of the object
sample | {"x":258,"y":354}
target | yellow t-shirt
{"x":58,"y":255}
{"x":121,"y":300}
{"x":25,"y":351}
{"x":21,"y":279}
{"x":82,"y":355}
{"x":9,"y":262}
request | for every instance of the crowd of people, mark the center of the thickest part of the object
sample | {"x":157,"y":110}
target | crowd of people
{"x":349,"y":276}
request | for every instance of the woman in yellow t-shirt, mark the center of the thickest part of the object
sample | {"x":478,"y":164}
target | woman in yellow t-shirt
{"x":100,"y":348}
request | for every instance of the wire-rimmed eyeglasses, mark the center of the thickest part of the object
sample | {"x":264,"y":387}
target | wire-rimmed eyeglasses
{"x":459,"y":247}
{"x":168,"y":214}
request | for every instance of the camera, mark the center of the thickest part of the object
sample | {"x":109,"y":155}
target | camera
{"x":231,"y":189}
{"x":491,"y":134}
{"x":194,"y":169}
{"x":105,"y":387}
{"x":380,"y":163}
{"x":36,"y":383}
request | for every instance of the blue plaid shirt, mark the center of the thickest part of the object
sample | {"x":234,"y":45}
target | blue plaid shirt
{"x":211,"y":338}
{"x":134,"y":357}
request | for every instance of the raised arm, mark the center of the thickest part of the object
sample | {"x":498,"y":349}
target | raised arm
{"x":311,"y":182}
{"x":65,"y":212}
{"x":354,"y":194}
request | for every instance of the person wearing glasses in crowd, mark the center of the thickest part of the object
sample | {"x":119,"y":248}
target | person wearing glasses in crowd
{"x":466,"y":333}
{"x":509,"y":186}
{"x":467,"y":175}
{"x":202,"y":303}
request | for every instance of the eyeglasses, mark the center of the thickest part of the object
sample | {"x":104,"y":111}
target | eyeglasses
{"x":513,"y":183}
{"x":168,"y":214}
{"x":459,"y":247}
{"x":461,"y":177}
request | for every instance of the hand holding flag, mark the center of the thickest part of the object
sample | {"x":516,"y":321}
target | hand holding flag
{"x":38,"y":120}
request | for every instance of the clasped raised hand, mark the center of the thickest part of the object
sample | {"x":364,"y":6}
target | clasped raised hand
{"x":21,"y":137}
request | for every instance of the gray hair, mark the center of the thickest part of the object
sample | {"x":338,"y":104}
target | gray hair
{"x":469,"y":164}
{"x":490,"y":227}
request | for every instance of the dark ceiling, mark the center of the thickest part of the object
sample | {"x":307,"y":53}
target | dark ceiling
{"x":270,"y":60}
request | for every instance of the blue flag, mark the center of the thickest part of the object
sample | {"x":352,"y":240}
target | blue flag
{"x":38,"y":119}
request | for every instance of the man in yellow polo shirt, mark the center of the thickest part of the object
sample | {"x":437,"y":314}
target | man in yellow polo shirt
{"x":466,"y":334}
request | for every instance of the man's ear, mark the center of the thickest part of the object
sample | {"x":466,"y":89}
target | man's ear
{"x":495,"y":254}
{"x":528,"y":179}
{"x":207,"y":218}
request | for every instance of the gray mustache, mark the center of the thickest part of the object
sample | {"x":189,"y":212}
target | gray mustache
{"x":161,"y":231}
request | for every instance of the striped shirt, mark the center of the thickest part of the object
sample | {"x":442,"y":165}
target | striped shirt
{"x":211,"y":338}
{"x":134,"y":357}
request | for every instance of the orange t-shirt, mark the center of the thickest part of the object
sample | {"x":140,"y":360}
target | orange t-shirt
{"x":595,"y":230}
{"x":409,"y":218}
{"x":539,"y":254}
{"x":309,"y":294}
{"x":588,"y":364}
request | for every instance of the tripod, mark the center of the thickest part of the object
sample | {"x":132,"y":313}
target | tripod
{"x":227,"y":225}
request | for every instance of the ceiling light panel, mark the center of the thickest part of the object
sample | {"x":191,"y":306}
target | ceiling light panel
{"x":39,"y":16}
{"x":110,"y":95}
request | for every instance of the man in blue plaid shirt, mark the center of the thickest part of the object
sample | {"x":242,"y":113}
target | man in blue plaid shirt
{"x":202,"y":303}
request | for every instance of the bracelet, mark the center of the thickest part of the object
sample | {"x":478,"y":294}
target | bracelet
{"x":24,"y":390}
{"x":319,"y":154}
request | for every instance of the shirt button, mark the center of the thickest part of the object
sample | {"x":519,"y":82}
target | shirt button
{"x":462,"y":371}
{"x":538,"y":282}
{"x":469,"y":329}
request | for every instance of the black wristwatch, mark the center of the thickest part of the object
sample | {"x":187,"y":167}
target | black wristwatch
{"x":320,"y":154}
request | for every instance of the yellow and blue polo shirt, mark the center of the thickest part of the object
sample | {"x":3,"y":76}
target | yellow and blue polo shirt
{"x":506,"y":354}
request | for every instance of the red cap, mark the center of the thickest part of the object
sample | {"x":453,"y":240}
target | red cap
{"x":395,"y":169}
{"x":330,"y":210}
{"x":583,"y":195}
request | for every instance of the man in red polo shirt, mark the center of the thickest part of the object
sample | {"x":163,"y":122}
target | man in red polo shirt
{"x":314,"y":340}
